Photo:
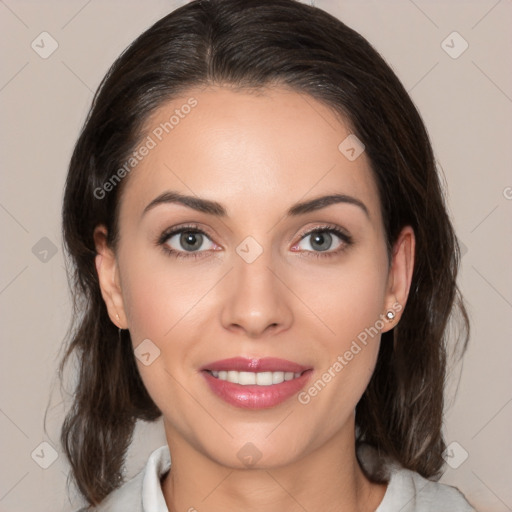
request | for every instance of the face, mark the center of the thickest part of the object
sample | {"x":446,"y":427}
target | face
{"x":241,"y":271}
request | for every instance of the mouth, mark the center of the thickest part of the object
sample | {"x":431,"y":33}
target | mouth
{"x":255,"y":383}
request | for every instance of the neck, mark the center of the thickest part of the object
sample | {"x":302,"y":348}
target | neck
{"x":328,"y":478}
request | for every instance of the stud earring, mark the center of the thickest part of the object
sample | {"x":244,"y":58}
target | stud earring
{"x":390,"y":314}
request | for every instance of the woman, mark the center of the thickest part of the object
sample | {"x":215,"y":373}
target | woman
{"x":261,"y":255}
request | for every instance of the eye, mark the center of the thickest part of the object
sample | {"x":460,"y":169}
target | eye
{"x":185,"y":241}
{"x":192,"y":242}
{"x":325,"y":239}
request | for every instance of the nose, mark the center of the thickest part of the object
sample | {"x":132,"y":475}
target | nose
{"x":256,"y":300}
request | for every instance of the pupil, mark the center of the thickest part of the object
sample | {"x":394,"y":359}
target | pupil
{"x":323,"y":241}
{"x":193,"y":240}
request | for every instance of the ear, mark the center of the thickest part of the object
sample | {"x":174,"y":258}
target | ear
{"x":108,"y":276}
{"x":400,"y":276}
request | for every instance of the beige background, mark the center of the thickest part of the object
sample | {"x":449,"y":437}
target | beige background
{"x":466,"y":103}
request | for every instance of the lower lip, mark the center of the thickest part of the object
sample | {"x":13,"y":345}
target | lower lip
{"x":253,"y":396}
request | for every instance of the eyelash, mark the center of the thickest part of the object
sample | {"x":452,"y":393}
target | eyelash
{"x":162,"y":239}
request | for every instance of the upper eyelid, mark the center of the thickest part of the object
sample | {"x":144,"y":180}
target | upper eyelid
{"x":168,"y":233}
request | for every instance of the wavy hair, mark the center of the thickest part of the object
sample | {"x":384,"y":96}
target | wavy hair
{"x":251,"y":44}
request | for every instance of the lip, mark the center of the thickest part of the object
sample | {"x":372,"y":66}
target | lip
{"x":253,"y":396}
{"x":266,"y":364}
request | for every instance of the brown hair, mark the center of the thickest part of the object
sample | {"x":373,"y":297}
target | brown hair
{"x":253,"y":44}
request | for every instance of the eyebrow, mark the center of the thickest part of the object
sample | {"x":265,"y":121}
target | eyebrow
{"x":215,"y":208}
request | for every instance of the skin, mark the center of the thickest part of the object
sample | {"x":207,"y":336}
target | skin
{"x":257,"y":155}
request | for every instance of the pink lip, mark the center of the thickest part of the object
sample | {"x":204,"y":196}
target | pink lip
{"x":253,"y":396}
{"x":266,"y":364}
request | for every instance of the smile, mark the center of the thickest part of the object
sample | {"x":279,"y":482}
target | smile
{"x":254,"y":383}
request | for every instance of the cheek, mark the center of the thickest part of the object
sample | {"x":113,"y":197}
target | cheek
{"x":348,"y":298}
{"x":350,"y":306}
{"x":162,"y":303}
{"x":160,"y":293}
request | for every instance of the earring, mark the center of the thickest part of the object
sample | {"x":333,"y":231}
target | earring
{"x":390,"y":314}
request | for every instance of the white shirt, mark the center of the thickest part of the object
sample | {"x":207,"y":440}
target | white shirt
{"x":407,"y":490}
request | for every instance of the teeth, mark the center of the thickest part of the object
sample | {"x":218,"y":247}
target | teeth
{"x":248,"y":378}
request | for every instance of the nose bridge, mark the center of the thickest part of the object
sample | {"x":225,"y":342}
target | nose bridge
{"x":255,"y":299}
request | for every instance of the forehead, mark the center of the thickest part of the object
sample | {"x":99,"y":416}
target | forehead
{"x":256,"y":151}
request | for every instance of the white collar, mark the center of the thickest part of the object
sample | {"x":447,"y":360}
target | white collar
{"x":158,"y":464}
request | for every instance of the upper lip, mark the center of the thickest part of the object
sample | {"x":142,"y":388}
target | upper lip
{"x":266,"y":364}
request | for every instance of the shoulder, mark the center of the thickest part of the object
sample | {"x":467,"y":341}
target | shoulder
{"x":407,"y":490}
{"x":143,"y":491}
